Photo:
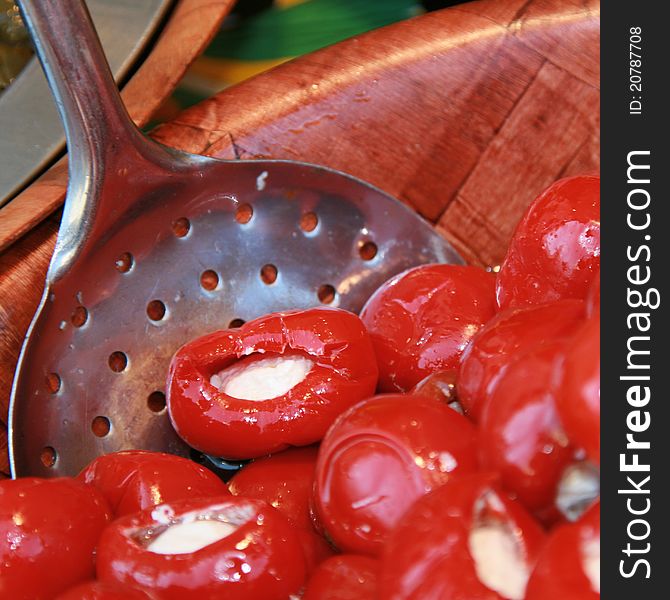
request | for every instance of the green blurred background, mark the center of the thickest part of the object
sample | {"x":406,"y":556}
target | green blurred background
{"x":261,"y":34}
{"x":258,"y":35}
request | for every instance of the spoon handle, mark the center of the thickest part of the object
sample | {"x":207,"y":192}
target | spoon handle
{"x":80,"y":80}
{"x":106,"y":151}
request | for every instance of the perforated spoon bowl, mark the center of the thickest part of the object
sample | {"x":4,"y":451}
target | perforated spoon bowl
{"x":158,"y":246}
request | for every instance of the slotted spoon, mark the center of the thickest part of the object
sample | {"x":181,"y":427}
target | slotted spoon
{"x":158,"y":246}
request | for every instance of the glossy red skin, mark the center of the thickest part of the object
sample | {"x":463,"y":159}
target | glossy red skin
{"x":559,"y":573}
{"x":510,"y":333}
{"x":49,"y":529}
{"x":578,"y":400}
{"x":344,"y":577}
{"x":344,"y":373}
{"x":427,"y":555}
{"x":265,"y":542}
{"x":440,"y":386}
{"x":285,"y":481}
{"x":378,"y":458}
{"x":555,"y":250}
{"x":99,"y":590}
{"x":521,"y":436}
{"x":133,"y":480}
{"x":421,"y":321}
{"x":593,"y":298}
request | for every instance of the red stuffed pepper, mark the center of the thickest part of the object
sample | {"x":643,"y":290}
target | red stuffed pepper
{"x":344,"y":577}
{"x":569,"y":564}
{"x":466,"y":539}
{"x":204,"y":549}
{"x":509,"y":334}
{"x":275,"y":382}
{"x":593,"y":298}
{"x":99,"y":590}
{"x":49,"y":529}
{"x":133,"y":480}
{"x":555,"y":250}
{"x":521,"y":437}
{"x":285,"y":481}
{"x":440,"y":386}
{"x":422,"y":320}
{"x":578,"y":400}
{"x":378,"y":458}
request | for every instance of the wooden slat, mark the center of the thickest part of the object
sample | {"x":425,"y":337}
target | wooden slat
{"x":541,"y":136}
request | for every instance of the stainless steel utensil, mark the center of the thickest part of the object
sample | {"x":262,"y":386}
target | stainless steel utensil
{"x":159,"y":246}
{"x":31,"y":136}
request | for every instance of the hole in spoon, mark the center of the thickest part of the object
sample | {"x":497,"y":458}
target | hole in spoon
{"x":367,"y":250}
{"x":235,"y":323}
{"x":53,"y":383}
{"x":48,"y":456}
{"x":309,"y":221}
{"x":156,"y":310}
{"x":79,"y":316}
{"x":269,"y":274}
{"x":209,"y":280}
{"x":118,"y":361}
{"x":156,"y":401}
{"x":181,"y":227}
{"x":244,"y":213}
{"x":124,"y":263}
{"x":100,"y":426}
{"x":326,"y":294}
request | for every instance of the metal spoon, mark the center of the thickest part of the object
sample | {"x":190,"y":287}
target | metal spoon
{"x":159,"y":246}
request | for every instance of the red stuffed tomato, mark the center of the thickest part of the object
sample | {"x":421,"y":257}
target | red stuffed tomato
{"x":49,"y":529}
{"x":463,"y":540}
{"x":344,"y":577}
{"x":421,"y":321}
{"x":555,"y":250}
{"x":204,"y":549}
{"x":378,"y":458}
{"x":509,"y":334}
{"x":133,"y":480}
{"x":285,"y":481}
{"x":569,"y":564}
{"x":521,"y":436}
{"x":579,"y":393}
{"x":275,"y":382}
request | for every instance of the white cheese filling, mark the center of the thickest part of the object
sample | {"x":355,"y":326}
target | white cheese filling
{"x":191,"y":536}
{"x":262,"y":379}
{"x":591,"y":562}
{"x":577,"y":490}
{"x":498,"y":562}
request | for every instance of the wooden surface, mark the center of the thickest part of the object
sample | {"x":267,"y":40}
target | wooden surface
{"x":465,"y":114}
